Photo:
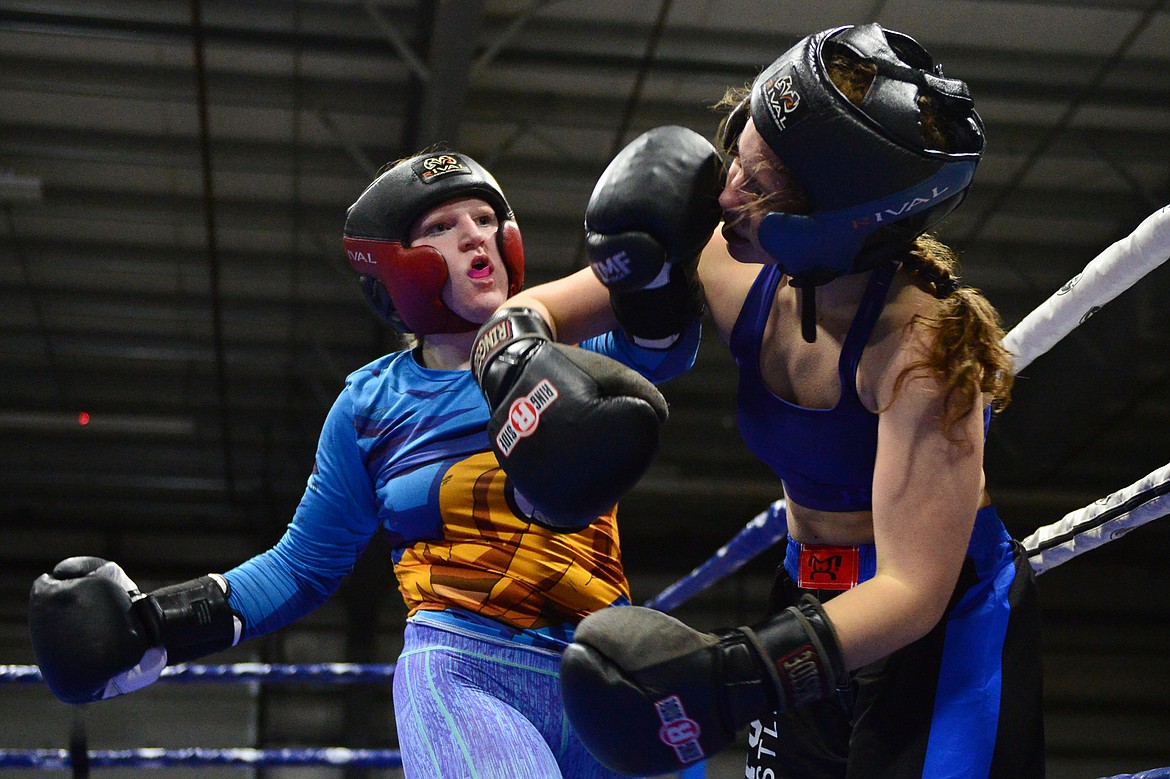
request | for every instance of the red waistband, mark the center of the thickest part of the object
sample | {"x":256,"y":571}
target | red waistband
{"x":828,"y":567}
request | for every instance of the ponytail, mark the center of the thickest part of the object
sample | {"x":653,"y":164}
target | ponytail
{"x":967,"y":352}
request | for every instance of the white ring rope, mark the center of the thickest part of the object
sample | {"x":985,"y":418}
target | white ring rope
{"x":1100,"y":522}
{"x":1104,"y":278}
{"x":1108,"y":275}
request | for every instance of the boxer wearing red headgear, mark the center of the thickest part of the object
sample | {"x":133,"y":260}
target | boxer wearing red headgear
{"x":495,"y":571}
{"x":405,"y":283}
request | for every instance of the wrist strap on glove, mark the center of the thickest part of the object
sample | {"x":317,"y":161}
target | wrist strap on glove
{"x":497,"y":355}
{"x":190,"y":619}
{"x":648,"y":695}
{"x":801,"y":650}
{"x":657,"y":313}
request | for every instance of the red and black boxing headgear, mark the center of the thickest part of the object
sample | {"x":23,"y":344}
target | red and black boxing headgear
{"x":404,"y":284}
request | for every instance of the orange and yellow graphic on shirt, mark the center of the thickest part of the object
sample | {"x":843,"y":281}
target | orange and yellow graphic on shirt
{"x":492,"y":562}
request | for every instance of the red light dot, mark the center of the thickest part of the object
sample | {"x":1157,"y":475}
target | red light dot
{"x":83,"y":417}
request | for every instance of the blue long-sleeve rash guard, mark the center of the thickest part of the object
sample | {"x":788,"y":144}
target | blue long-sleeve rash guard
{"x":393,"y":421}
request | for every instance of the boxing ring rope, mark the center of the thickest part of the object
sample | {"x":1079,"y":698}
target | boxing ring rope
{"x":243,"y":757}
{"x":242,"y":673}
{"x":1105,"y":277}
{"x":61,"y":759}
{"x":1102,"y":521}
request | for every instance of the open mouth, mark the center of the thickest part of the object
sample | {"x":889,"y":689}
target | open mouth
{"x":480,"y":268}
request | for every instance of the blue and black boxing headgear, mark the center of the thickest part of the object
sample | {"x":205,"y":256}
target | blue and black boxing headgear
{"x":872,"y":181}
{"x":404,"y":284}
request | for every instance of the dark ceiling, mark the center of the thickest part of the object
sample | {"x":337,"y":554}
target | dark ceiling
{"x":174,"y":178}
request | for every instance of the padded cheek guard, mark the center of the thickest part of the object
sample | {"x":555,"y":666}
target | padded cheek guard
{"x":825,"y":245}
{"x":405,"y":284}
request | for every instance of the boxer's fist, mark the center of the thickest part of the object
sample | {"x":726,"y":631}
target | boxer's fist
{"x":89,"y":642}
{"x":572,"y":429}
{"x":649,"y":695}
{"x":650,"y":215}
{"x":95,"y":635}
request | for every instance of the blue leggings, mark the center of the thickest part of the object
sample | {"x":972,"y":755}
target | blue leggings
{"x":475,"y":707}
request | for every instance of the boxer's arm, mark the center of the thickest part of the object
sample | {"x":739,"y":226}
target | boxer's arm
{"x":575,"y":307}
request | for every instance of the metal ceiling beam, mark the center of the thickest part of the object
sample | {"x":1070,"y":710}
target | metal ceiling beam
{"x":397,"y":40}
{"x":352,"y":149}
{"x":686,"y":50}
{"x":1084,"y":96}
{"x":213,"y":259}
{"x":141,"y":28}
{"x":513,"y":29}
{"x":260,"y":214}
{"x":645,"y":66}
{"x":450,"y":52}
{"x":15,"y":188}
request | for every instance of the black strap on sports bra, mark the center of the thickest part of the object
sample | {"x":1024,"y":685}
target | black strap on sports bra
{"x":808,"y":313}
{"x":808,"y":297}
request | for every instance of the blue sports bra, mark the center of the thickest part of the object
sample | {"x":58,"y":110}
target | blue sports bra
{"x":824,"y":457}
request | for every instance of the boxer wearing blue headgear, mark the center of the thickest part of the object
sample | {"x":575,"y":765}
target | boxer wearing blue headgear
{"x":873,"y":180}
{"x":901,"y":638}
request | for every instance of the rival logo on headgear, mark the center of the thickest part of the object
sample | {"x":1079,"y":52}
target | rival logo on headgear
{"x":907,"y":207}
{"x":356,"y":256}
{"x":430,"y":169}
{"x":782,"y":99}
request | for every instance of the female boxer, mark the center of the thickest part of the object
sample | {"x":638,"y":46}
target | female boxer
{"x":903,"y":640}
{"x":493,"y":586}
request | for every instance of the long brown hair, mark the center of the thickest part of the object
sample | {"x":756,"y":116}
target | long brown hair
{"x":967,"y":352}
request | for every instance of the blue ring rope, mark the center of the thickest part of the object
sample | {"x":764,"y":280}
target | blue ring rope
{"x":766,"y":529}
{"x":58,"y":759}
{"x":269,"y":673}
{"x":763,"y":532}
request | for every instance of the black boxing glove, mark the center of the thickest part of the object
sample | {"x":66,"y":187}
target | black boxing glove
{"x":572,"y":429}
{"x":648,"y":695}
{"x":95,"y":635}
{"x":650,"y":215}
